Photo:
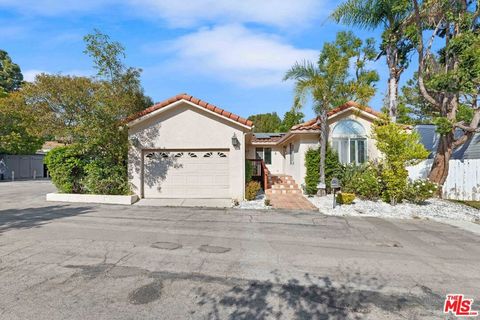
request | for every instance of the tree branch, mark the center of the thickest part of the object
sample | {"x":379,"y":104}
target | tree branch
{"x":421,"y":58}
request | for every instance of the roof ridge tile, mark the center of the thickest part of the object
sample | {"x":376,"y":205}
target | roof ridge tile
{"x":197,"y":101}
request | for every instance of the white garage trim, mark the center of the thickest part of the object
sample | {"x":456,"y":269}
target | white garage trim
{"x":185,"y":173}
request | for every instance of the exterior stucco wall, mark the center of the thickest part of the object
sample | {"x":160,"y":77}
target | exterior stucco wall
{"x":372,"y":151}
{"x":185,"y":127}
{"x":301,"y":144}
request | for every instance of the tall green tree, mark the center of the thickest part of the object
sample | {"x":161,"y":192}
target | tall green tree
{"x":449,"y":80}
{"x":89,"y":113}
{"x":291,"y":118}
{"x":11,"y":77}
{"x":412,"y":107}
{"x":19,"y":129}
{"x":330,"y":82}
{"x":266,"y":122}
{"x":390,"y":15}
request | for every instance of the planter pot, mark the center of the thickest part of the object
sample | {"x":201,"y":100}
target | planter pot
{"x":92,"y":198}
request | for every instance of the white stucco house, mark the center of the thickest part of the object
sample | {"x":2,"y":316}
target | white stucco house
{"x":184,"y":147}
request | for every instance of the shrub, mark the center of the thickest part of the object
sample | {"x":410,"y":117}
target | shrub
{"x":267,"y":202}
{"x":105,"y":178}
{"x":365,"y":183}
{"x":251,"y":190}
{"x":74,"y":170}
{"x":400,"y":149}
{"x":333,"y":168}
{"x":66,"y":168}
{"x":312,"y":162}
{"x":248,"y":171}
{"x":420,"y":190}
{"x":394,"y":178}
{"x":345,"y":198}
{"x":348,"y":174}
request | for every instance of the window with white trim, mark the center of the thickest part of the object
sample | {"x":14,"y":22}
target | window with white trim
{"x":349,"y":140}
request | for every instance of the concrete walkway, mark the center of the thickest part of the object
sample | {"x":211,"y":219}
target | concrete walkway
{"x":291,"y":201}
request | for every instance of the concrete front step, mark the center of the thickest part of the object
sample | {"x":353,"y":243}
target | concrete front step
{"x":283,"y":191}
{"x":284,"y":186}
{"x":282,"y":182}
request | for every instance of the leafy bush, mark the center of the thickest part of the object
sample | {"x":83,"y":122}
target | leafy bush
{"x":312,"y":162}
{"x":248,"y":171}
{"x":267,"y":202}
{"x":74,"y":170}
{"x":400,"y":149}
{"x":345,"y":198}
{"x":347,"y":175}
{"x":395,"y":181}
{"x":333,"y":168}
{"x":365,"y":182}
{"x":66,"y":168}
{"x":420,"y":190}
{"x":105,"y":178}
{"x":251,"y":190}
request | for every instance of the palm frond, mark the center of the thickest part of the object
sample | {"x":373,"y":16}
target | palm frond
{"x":301,"y":70}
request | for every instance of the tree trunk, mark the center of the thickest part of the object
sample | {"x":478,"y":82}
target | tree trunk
{"x":392,"y":96}
{"x":323,"y":151}
{"x":439,"y":171}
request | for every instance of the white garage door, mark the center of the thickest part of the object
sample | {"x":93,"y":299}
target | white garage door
{"x":186,"y":174}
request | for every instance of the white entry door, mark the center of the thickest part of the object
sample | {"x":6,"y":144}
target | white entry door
{"x":186,"y":174}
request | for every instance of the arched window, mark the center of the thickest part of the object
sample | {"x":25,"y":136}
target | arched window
{"x":349,"y":140}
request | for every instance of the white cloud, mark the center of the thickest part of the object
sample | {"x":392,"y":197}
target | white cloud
{"x":186,"y":13}
{"x":29,"y":75}
{"x":284,"y":13}
{"x":236,"y":54}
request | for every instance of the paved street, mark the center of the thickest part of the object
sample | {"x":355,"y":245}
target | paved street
{"x":85,"y":261}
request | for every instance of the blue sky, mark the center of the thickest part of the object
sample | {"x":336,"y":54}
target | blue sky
{"x":231,"y":53}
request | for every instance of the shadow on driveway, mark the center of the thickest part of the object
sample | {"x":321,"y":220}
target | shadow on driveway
{"x":34,"y":217}
{"x":315,"y":298}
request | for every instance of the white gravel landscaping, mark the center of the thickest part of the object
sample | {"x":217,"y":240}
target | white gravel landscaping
{"x":258,"y":203}
{"x":436,"y":209}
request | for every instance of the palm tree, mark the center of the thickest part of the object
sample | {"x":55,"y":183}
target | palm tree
{"x":329,"y":82}
{"x":311,"y":81}
{"x":390,"y":15}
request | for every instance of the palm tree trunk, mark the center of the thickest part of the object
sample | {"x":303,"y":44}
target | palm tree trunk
{"x":322,"y":191}
{"x":392,"y":96}
{"x":394,"y":75}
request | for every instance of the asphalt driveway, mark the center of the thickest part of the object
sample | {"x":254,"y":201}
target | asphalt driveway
{"x":68,"y":261}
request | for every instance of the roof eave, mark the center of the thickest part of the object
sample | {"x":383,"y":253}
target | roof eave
{"x":154,"y":113}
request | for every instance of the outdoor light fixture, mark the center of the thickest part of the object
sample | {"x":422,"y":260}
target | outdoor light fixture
{"x":235,"y":141}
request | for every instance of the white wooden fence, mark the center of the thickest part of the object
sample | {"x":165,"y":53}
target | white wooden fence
{"x":463,"y":181}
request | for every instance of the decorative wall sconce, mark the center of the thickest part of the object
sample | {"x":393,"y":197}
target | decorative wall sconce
{"x":235,"y":141}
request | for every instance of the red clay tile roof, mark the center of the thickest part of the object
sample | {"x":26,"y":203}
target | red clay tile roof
{"x":350,"y":104}
{"x":309,"y":125}
{"x":201,"y":103}
{"x":312,"y":124}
